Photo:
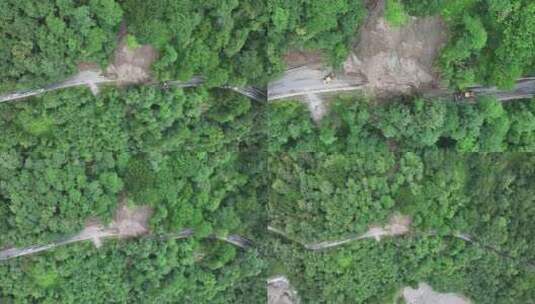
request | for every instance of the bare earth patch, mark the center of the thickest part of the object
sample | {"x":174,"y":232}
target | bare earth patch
{"x":397,"y":59}
{"x":299,"y":58}
{"x":131,"y":65}
{"x":426,"y":295}
{"x":398,"y":225}
{"x":316,"y":106}
{"x":128,"y":222}
{"x":281,"y":292}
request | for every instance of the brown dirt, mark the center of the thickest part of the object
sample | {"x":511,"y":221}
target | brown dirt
{"x":398,"y":225}
{"x":299,"y":58}
{"x":131,"y":222}
{"x":127,"y":222}
{"x":88,"y":66}
{"x":397,"y":59}
{"x":131,"y":65}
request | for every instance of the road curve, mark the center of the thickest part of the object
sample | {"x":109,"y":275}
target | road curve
{"x":323,"y":245}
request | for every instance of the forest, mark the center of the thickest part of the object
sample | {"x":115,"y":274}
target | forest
{"x":44,"y":41}
{"x":140,"y":271}
{"x":215,"y":163}
{"x":355,"y":170}
{"x":491,"y":41}
{"x":193,"y":160}
{"x":226,"y":42}
{"x":72,"y":155}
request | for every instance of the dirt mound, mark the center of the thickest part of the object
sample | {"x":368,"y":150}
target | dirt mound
{"x":397,"y":59}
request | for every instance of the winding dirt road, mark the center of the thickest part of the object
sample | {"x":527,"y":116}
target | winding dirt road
{"x":100,"y":234}
{"x":93,"y":79}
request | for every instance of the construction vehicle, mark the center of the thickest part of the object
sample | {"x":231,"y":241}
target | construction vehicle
{"x":464,"y":95}
{"x":327,"y":79}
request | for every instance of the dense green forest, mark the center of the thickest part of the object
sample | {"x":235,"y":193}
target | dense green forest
{"x":365,"y":162}
{"x":139,"y":271}
{"x":71,"y":155}
{"x":221,"y":164}
{"x":491,"y":41}
{"x":374,"y":272}
{"x":44,"y":41}
{"x":232,"y":41}
{"x":327,"y":26}
{"x":357,"y":125}
{"x":242,"y":41}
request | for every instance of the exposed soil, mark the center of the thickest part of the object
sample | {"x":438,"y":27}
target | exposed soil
{"x":131,"y":222}
{"x":424,"y":294}
{"x":299,"y":58}
{"x":131,"y":65}
{"x":281,"y":292}
{"x":127,"y":222}
{"x":398,"y":225}
{"x":397,"y":59}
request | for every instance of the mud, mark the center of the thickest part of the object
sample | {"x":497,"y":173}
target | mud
{"x":397,"y":59}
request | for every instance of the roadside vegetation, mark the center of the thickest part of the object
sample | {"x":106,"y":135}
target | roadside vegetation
{"x":44,"y":41}
{"x":69,"y":156}
{"x":327,"y":26}
{"x":136,"y":271}
{"x":364,"y":163}
{"x":492,"y":41}
{"x":395,"y":13}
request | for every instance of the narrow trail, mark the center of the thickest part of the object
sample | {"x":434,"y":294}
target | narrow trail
{"x":109,"y":233}
{"x":94,"y":78}
{"x":379,"y":233}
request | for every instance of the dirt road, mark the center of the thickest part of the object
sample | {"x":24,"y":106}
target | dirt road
{"x":93,"y":79}
{"x":127,"y":223}
{"x":310,"y":80}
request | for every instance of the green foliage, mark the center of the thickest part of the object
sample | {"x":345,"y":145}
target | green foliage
{"x":492,"y":41}
{"x":131,"y":42}
{"x":145,"y":271}
{"x":323,"y":191}
{"x":72,"y":155}
{"x":327,"y":26}
{"x":395,"y":13}
{"x":43,"y":41}
{"x":223,"y":41}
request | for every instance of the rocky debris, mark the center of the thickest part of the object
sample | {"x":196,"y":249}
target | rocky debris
{"x":424,"y":294}
{"x":397,"y":59}
{"x":281,"y":292}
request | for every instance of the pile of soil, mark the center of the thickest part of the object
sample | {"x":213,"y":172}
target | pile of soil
{"x":397,"y":59}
